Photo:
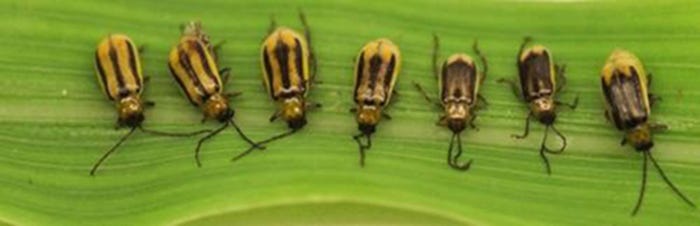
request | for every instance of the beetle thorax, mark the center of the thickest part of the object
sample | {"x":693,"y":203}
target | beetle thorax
{"x":217,"y":107}
{"x":457,"y":114}
{"x":456,"y":110}
{"x":369,"y":114}
{"x":130,"y":111}
{"x":292,"y":108}
{"x":640,"y":137}
{"x":543,"y":109}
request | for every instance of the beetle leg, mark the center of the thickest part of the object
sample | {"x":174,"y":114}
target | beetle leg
{"x":607,"y":115}
{"x":571,"y":106}
{"x":442,"y":121}
{"x":274,"y":116}
{"x":623,"y":141}
{"x":273,"y":25}
{"x":561,"y":79}
{"x":658,"y":127}
{"x":527,"y":128}
{"x":233,"y":94}
{"x":216,"y":49}
{"x":149,"y":103}
{"x":436,"y":54}
{"x":513,"y":86}
{"x":313,"y":105}
{"x":393,"y":100}
{"x":649,"y":76}
{"x":483,"y":61}
{"x":353,"y":110}
{"x":141,"y":48}
{"x":526,"y":41}
{"x":312,"y":54}
{"x":482,"y":104}
{"x":425,"y":95}
{"x":386,"y":116}
{"x":471,"y":123}
{"x":225,"y":72}
{"x":653,"y":99}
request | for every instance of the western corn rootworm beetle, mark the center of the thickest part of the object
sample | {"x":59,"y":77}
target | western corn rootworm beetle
{"x":289,"y":70}
{"x":193,"y":64}
{"x":458,"y":82}
{"x":540,"y":80}
{"x":118,"y":67}
{"x":376,"y":69}
{"x":626,"y":91}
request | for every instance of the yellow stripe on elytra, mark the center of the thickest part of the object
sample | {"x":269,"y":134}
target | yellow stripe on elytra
{"x":123,"y":60}
{"x":287,"y":37}
{"x":541,"y":50}
{"x":385,"y":49}
{"x":621,"y":60}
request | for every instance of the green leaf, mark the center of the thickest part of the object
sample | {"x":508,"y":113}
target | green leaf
{"x":56,"y":122}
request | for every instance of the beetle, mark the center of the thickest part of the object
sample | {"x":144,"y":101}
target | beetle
{"x":193,"y":63}
{"x":625,"y":86}
{"x":540,"y":80}
{"x":289,"y":68}
{"x":458,"y":83}
{"x":376,"y":69}
{"x":118,"y":70}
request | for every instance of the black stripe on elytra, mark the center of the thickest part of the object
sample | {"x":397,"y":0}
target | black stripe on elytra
{"x":132,"y":66}
{"x":103,"y":77}
{"x":299,"y":59}
{"x":187,"y":65}
{"x":205,"y":64}
{"x":614,"y":112}
{"x":389,"y":75}
{"x":114,"y":59}
{"x":634,"y":79}
{"x":358,"y":74}
{"x":181,"y":83}
{"x":536,"y":68}
{"x":375,"y":64}
{"x":268,"y":73}
{"x":282,"y":55}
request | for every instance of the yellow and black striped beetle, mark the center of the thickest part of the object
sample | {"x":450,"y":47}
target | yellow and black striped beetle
{"x":288,"y":70}
{"x":458,"y":82}
{"x":119,"y":73}
{"x":540,"y":80}
{"x":376,"y":69}
{"x":193,"y":64}
{"x":625,"y":86}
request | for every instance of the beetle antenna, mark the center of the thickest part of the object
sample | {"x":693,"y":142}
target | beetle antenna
{"x":205,"y":138}
{"x":436,"y":54}
{"x":258,"y":145}
{"x":171,"y":134}
{"x":111,"y":150}
{"x":668,"y":181}
{"x":240,"y":132}
{"x":363,"y":147}
{"x":561,"y":137}
{"x":453,"y":162}
{"x":543,"y":149}
{"x":642,"y":189}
